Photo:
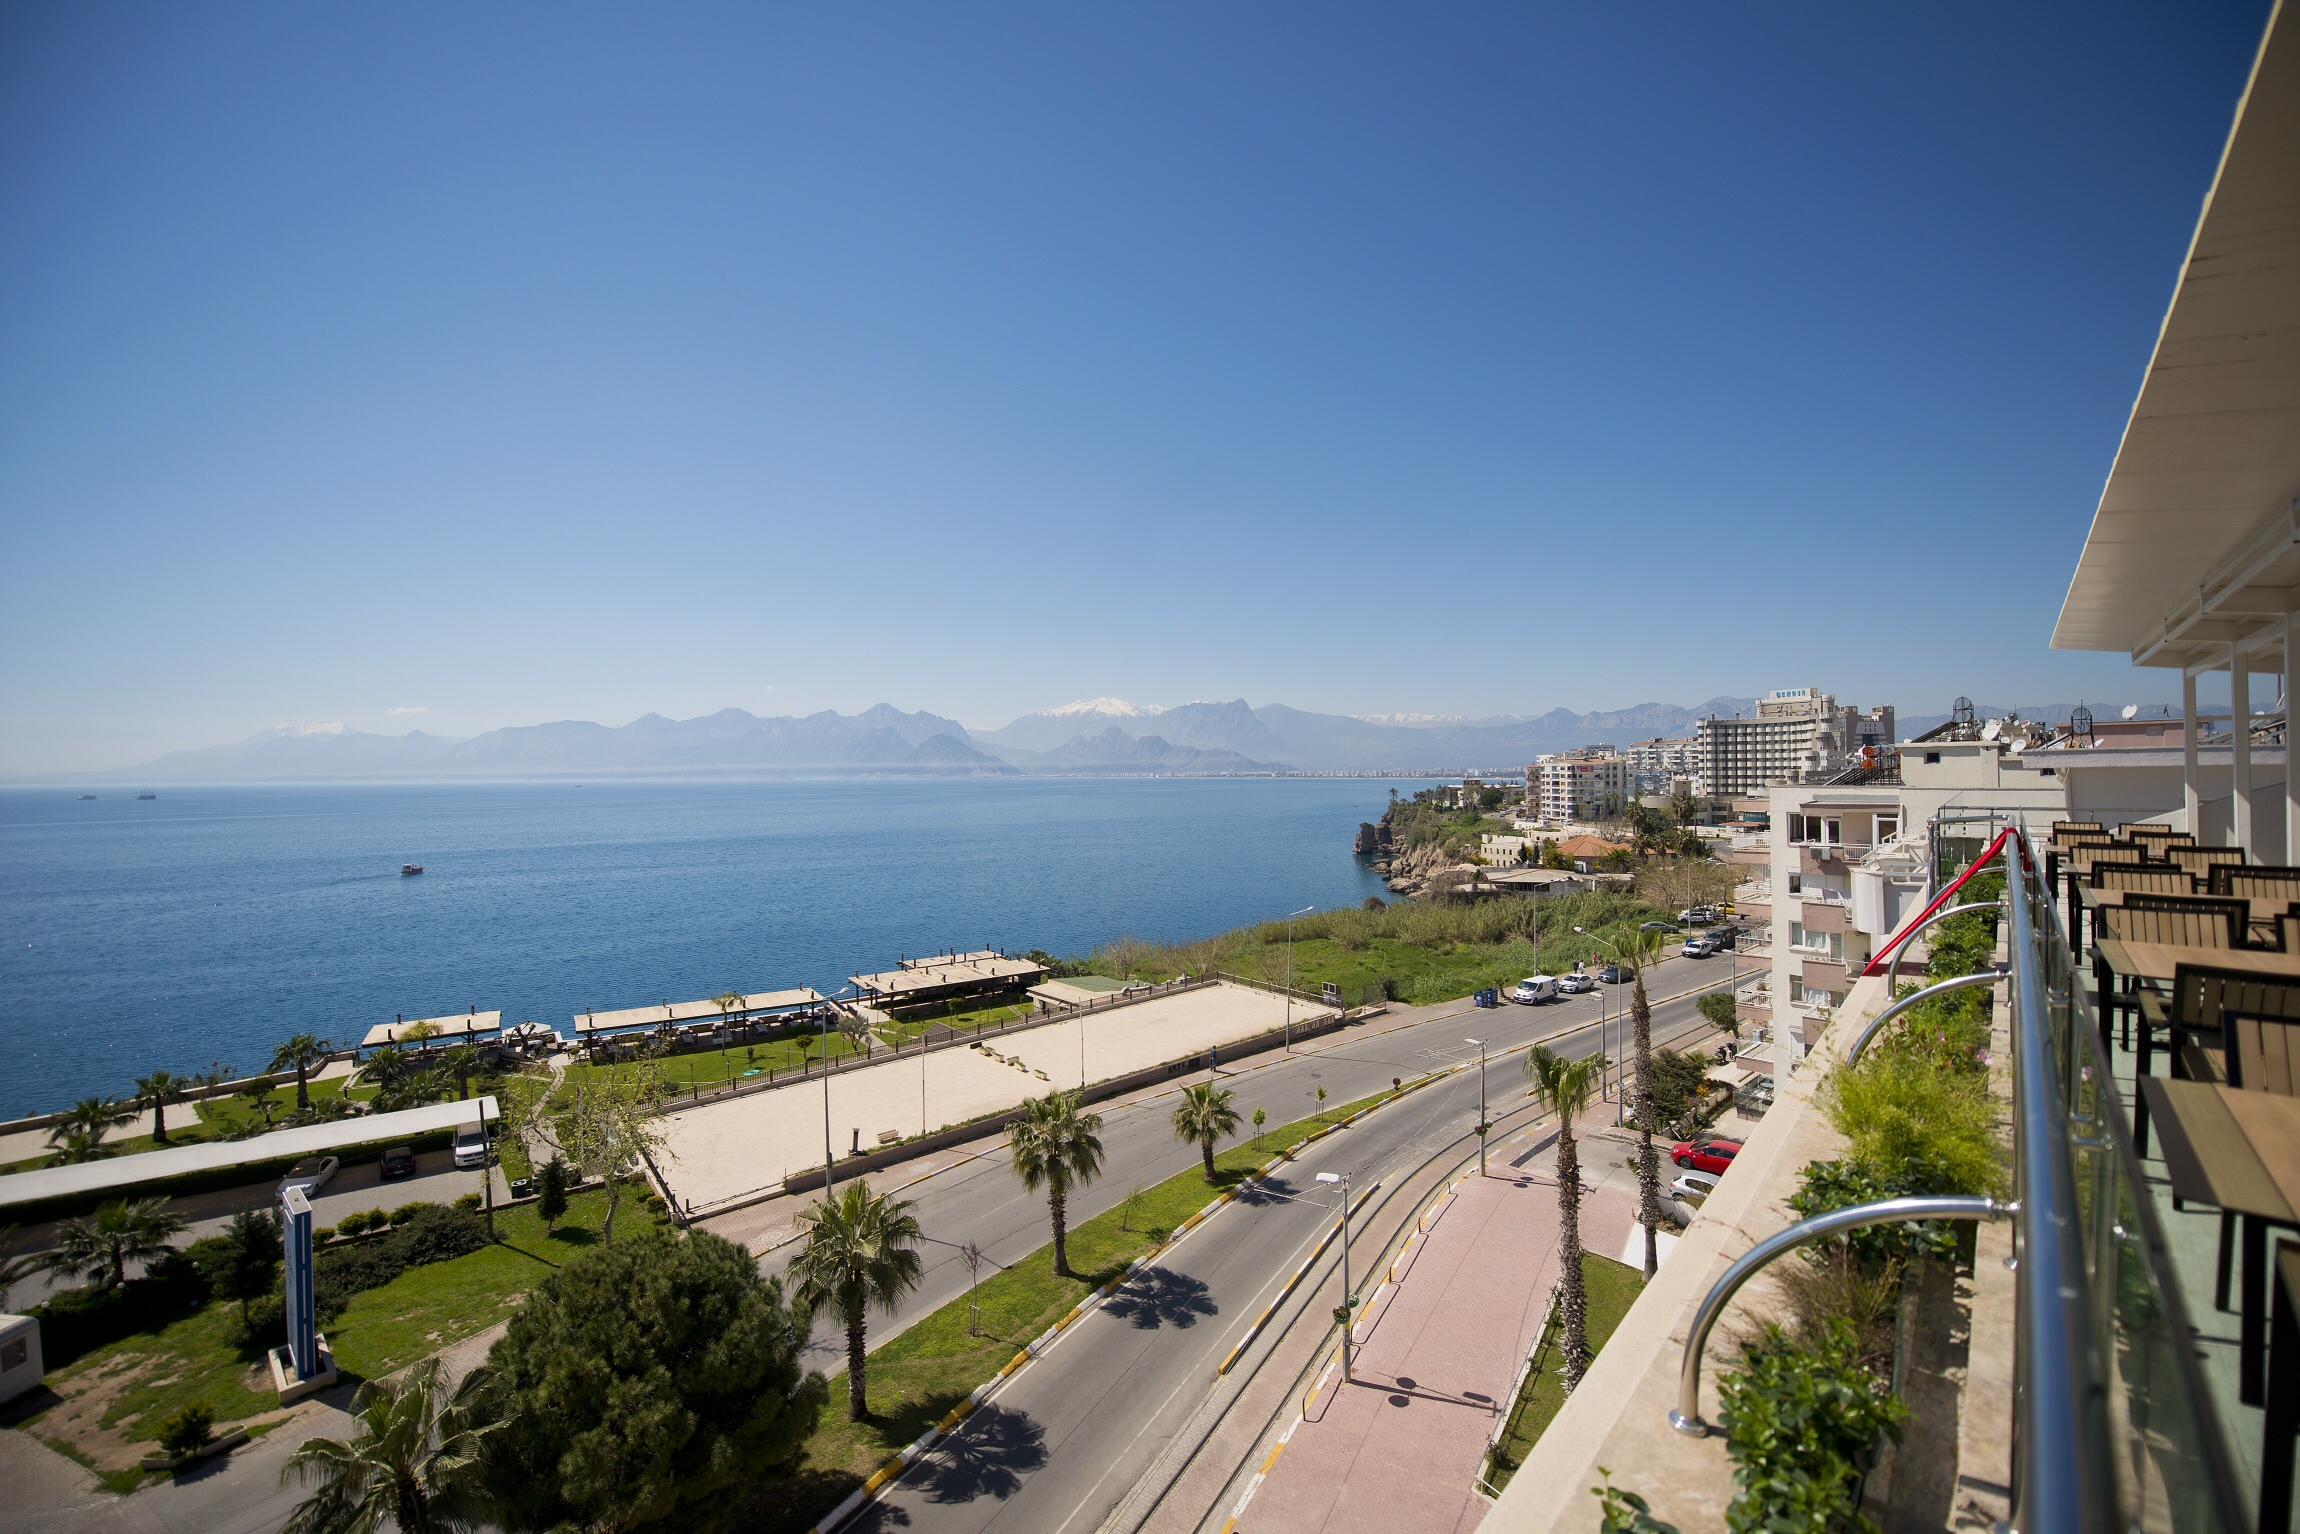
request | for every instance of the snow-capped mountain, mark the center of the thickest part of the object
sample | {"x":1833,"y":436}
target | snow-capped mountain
{"x":1108,"y":708}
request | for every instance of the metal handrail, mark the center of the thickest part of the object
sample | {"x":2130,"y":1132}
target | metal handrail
{"x":1942,"y":988}
{"x":1941,"y":915}
{"x":1892,"y":1211}
{"x":2062,"y":1448}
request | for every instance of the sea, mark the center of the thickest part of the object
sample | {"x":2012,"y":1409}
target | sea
{"x":195,"y":930}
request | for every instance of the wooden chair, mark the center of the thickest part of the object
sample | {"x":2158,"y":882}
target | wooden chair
{"x":2255,"y":879}
{"x":2200,"y":861}
{"x":2151,"y":831}
{"x":2203,"y":998}
{"x":2261,"y":1053}
{"x":2152,"y":879}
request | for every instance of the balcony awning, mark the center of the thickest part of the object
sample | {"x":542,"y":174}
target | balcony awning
{"x":2196,"y":542}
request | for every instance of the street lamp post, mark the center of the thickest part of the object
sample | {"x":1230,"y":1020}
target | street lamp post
{"x":1612,"y":1068}
{"x":1481,"y":1120}
{"x":1342,"y":1311}
{"x":1290,"y":915}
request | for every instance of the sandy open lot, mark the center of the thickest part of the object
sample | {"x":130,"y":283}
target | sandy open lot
{"x":730,"y":1148}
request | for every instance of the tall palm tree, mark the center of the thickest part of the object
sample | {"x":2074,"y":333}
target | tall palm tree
{"x":1642,"y":950}
{"x":301,"y":1054}
{"x":158,"y":1090}
{"x":1564,"y":1086}
{"x":1056,"y":1147}
{"x":98,"y":1247}
{"x":412,"y":1464}
{"x":861,"y":1250}
{"x":81,"y":1127}
{"x":76,"y":1143}
{"x":1204,"y":1118}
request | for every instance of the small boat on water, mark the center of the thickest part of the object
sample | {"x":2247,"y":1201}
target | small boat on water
{"x":147,"y":796}
{"x":87,"y":796}
{"x":406,"y":869}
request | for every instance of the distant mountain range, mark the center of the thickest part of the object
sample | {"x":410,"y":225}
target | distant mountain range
{"x":1100,"y":735}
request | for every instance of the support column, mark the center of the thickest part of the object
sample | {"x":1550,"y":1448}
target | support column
{"x":2240,"y":750}
{"x":2291,"y":779}
{"x":2188,"y":792}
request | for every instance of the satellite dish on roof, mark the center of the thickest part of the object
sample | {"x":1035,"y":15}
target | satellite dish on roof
{"x":1992,"y":729}
{"x":2016,"y":748}
{"x":2130,"y":709}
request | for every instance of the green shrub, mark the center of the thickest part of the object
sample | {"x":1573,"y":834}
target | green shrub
{"x":431,"y":1233}
{"x":407,"y":1212}
{"x":468,"y":1202}
{"x":74,"y":1322}
{"x":360,"y":1220}
{"x":1833,"y":1185}
{"x":1915,"y":1127}
{"x":1801,"y":1420}
{"x":188,"y":1431}
{"x":265,"y":1325}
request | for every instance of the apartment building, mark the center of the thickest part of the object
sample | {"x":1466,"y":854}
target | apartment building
{"x":1798,"y":732}
{"x":1655,"y":764}
{"x":1575,"y":787}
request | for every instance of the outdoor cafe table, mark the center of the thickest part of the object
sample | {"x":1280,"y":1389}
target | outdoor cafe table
{"x":2156,"y":964}
{"x":2261,"y":910}
{"x":2238,"y":1151}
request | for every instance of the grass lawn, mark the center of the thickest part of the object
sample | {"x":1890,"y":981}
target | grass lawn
{"x":717,"y":1067}
{"x":428,"y":1308}
{"x":1612,"y":1288}
{"x":963,"y":1016}
{"x":918,"y":1377}
{"x":118,"y":1397}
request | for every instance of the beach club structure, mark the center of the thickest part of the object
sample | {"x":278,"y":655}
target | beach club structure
{"x":462,"y":1028}
{"x":708,"y":1021}
{"x":983,"y":974}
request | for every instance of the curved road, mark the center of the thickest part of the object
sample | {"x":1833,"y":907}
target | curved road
{"x":1058,"y":1446}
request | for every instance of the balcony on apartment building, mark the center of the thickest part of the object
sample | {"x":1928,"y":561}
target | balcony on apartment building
{"x":1817,"y":858}
{"x":1753,"y":902}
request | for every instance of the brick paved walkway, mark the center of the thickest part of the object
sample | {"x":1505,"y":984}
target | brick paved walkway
{"x":1400,"y":1447}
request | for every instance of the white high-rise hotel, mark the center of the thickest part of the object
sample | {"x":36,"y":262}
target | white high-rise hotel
{"x":1797,"y":731}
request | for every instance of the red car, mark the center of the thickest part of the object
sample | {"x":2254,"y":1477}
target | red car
{"x":1705,"y":1155}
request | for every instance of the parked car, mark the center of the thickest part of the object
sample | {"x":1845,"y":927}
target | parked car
{"x":470,"y":1147}
{"x":1534,"y":988}
{"x":1699,"y":915}
{"x":1657,"y":926}
{"x":1617,"y":974}
{"x":1705,"y":1155}
{"x":399,"y":1161}
{"x":1698,"y":948}
{"x":1694,"y":1185}
{"x":1726,"y":936}
{"x":1575,"y":983}
{"x":310,"y":1174}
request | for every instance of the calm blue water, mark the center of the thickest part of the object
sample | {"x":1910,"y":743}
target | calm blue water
{"x":208,"y":924}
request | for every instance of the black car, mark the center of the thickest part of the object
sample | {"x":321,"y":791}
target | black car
{"x":399,"y":1161}
{"x":1617,"y":974}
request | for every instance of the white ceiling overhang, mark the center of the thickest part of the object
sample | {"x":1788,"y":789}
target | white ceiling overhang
{"x":2196,"y":543}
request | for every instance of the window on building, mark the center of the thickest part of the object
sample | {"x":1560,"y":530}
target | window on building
{"x":14,"y":1354}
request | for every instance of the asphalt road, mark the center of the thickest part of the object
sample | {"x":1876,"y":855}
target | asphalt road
{"x":984,"y":1202}
{"x":1059,"y":1446}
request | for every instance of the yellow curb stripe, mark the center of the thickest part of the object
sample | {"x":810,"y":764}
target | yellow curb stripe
{"x":1275,"y":1451}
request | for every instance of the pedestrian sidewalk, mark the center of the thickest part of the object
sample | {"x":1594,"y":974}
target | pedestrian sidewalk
{"x":1401,"y":1445}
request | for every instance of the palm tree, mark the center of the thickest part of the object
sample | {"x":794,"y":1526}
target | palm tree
{"x":155,"y":1092}
{"x":1203,"y":1118}
{"x":413,"y":1464}
{"x":98,"y":1247}
{"x":861,"y":1250}
{"x":1643,"y":949}
{"x":301,"y":1054}
{"x":460,"y":1061}
{"x":79,"y":1129}
{"x":76,"y":1143}
{"x":1564,"y":1086}
{"x":15,"y":1266}
{"x":1055,"y":1146}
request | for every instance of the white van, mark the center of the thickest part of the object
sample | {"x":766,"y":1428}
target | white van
{"x":1534,"y":988}
{"x":470,"y":1147}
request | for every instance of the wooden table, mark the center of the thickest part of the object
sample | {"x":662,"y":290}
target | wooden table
{"x":2238,"y":1151}
{"x":2260,"y":910}
{"x":2157,"y":963}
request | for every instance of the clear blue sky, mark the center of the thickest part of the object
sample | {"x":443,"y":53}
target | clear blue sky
{"x":516,"y":363}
